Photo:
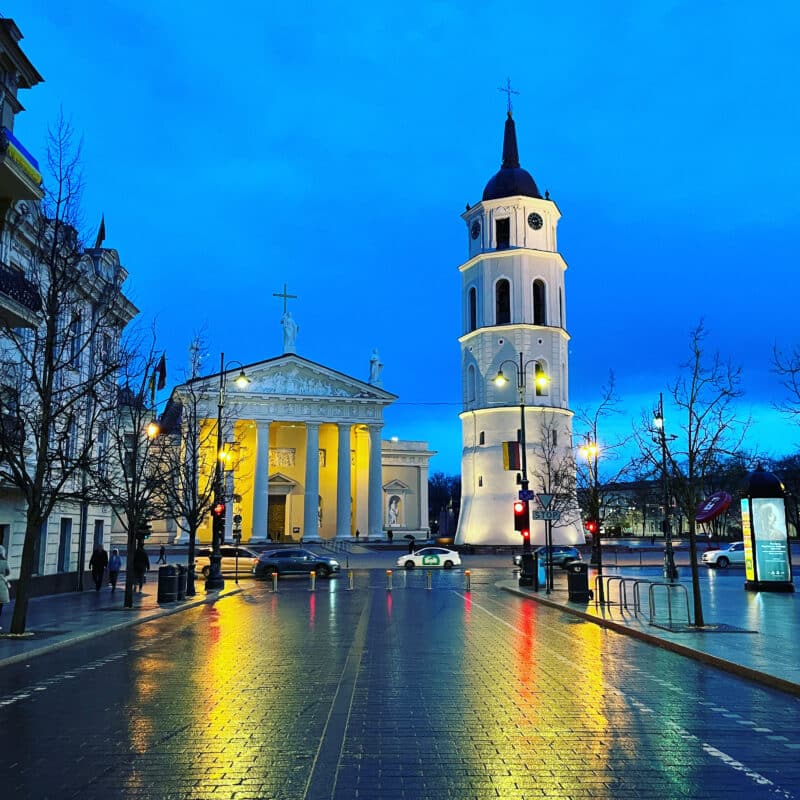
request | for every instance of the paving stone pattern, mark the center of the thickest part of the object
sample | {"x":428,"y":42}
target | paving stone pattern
{"x":441,"y":694}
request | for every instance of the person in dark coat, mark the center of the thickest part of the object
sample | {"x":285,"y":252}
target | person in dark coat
{"x":162,"y":555}
{"x":141,"y":564}
{"x":412,"y":542}
{"x":114,"y":566}
{"x":4,"y":571}
{"x":97,"y":564}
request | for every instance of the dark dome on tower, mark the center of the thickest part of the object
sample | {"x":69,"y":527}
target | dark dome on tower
{"x":511,"y":180}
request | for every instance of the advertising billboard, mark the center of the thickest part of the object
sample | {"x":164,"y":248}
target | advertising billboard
{"x":770,"y":540}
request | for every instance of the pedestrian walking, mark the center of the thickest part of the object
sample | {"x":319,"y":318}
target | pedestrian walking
{"x":114,"y":566}
{"x":162,"y":555}
{"x":141,"y":564}
{"x":5,"y":596}
{"x":390,"y":534}
{"x":411,"y":543}
{"x":97,"y":564}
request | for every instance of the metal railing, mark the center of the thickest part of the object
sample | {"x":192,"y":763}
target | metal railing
{"x":14,"y":285}
{"x":670,"y":587}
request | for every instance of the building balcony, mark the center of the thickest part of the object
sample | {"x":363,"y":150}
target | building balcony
{"x":20,"y":178}
{"x":20,"y":302}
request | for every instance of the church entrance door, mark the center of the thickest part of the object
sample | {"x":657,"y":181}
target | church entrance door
{"x":276,"y":524}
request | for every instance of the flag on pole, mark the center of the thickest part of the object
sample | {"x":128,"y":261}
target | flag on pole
{"x":152,"y":387}
{"x":101,"y":233}
{"x":161,"y":371}
{"x":511,"y":456}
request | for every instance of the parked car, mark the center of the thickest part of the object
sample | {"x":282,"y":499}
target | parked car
{"x":247,"y":559}
{"x":563,"y":554}
{"x":430,"y":557}
{"x":294,"y":560}
{"x":733,"y":554}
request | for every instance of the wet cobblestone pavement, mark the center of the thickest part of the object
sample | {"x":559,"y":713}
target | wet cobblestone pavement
{"x":414,"y":693}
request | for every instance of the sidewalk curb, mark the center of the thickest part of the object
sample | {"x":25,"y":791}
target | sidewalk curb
{"x":698,"y":655}
{"x":83,"y":637}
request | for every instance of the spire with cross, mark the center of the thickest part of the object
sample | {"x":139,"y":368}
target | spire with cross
{"x":509,"y":91}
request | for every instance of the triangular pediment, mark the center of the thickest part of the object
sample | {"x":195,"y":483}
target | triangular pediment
{"x":279,"y":479}
{"x":293,"y":376}
{"x":396,"y":486}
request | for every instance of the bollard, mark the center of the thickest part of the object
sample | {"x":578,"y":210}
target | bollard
{"x":274,"y":581}
{"x":467,"y":580}
{"x":313,"y":576}
{"x":388,"y":580}
{"x":428,"y":578}
{"x":350,"y":580}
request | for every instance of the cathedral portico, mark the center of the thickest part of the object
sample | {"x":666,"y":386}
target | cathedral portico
{"x":308,"y":452}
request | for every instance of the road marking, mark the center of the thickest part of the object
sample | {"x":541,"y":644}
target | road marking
{"x":709,"y":749}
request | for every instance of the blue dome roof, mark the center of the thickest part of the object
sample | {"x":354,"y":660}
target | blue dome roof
{"x":511,"y":180}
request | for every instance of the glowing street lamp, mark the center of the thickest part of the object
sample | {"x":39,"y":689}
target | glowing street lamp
{"x":541,"y":380}
{"x":670,"y":570}
{"x":590,"y":451}
{"x":214,"y":580}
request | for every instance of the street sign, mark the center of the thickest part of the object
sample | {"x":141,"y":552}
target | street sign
{"x":545,"y":500}
{"x":551,"y":515}
{"x":526,"y":494}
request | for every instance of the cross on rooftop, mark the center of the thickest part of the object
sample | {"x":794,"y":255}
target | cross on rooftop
{"x":284,"y":296}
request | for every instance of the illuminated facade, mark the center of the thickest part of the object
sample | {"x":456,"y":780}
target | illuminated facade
{"x":513,"y":301}
{"x":307,"y":457}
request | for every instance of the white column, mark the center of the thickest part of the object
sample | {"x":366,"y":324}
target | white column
{"x":343,"y":487}
{"x":311,"y":502}
{"x":258,"y":532}
{"x":375,"y":501}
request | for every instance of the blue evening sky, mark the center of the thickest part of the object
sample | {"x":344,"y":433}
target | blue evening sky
{"x":239,"y":146}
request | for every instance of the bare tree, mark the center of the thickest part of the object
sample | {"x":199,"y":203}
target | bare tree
{"x":191,"y":475}
{"x":595,"y":489}
{"x":131,"y":477}
{"x":60,"y":369}
{"x":554,"y":475}
{"x":704,"y":395}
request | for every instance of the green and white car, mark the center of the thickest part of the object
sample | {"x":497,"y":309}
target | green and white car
{"x":430,"y":557}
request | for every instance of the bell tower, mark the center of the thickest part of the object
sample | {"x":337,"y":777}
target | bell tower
{"x":513,"y":320}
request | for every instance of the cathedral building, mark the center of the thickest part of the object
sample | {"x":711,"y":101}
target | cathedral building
{"x":514,"y":362}
{"x":307,"y":458}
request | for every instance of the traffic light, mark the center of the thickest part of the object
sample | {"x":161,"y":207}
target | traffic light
{"x":218,"y":510}
{"x":591,"y":526}
{"x":521,"y":515}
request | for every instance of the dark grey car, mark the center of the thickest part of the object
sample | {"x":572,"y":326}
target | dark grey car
{"x":294,"y":560}
{"x":563,"y":554}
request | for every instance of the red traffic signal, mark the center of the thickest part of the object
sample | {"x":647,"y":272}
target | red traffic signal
{"x":218,"y":510}
{"x":590,"y":525}
{"x":521,"y":517}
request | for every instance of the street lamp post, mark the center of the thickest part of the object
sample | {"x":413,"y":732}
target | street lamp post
{"x":670,"y":570}
{"x":214,"y":580}
{"x":541,"y":379}
{"x":590,"y":451}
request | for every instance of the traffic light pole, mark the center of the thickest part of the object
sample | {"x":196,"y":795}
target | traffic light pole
{"x":528,"y":566}
{"x":214,"y":580}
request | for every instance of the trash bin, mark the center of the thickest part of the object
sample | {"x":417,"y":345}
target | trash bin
{"x":530,"y":571}
{"x":167,"y":584}
{"x":578,"y":581}
{"x":182,"y":575}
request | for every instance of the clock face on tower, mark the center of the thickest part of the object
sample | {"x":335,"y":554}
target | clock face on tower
{"x":535,"y":221}
{"x":475,"y":230}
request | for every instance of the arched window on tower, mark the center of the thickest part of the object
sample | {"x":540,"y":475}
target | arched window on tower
{"x":473,"y":308}
{"x":471,"y":384}
{"x":560,"y":308}
{"x":541,"y":380}
{"x":539,"y":303}
{"x":502,"y":302}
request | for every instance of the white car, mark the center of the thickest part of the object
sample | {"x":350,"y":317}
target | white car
{"x":227,"y":565}
{"x":733,"y":554}
{"x":430,"y":557}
